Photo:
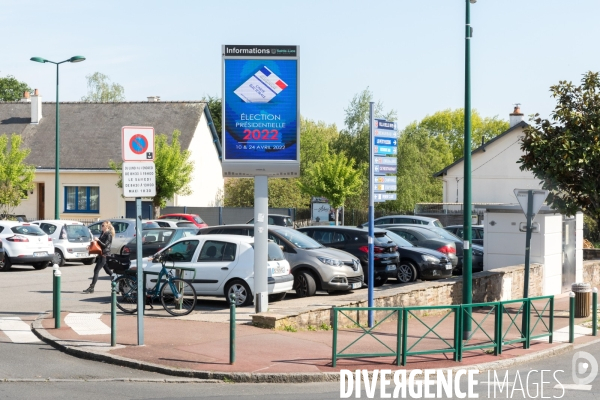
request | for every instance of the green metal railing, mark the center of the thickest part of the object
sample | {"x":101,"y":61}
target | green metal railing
{"x":486,"y":319}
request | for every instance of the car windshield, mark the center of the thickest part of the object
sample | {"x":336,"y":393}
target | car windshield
{"x":31,"y":230}
{"x":400,"y":241}
{"x":274,"y":252}
{"x":298,"y":239}
{"x":198,"y":219}
{"x":77,"y":231}
{"x":445,"y":234}
{"x":438,"y":223}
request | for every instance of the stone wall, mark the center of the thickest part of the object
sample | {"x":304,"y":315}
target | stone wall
{"x":591,"y":273}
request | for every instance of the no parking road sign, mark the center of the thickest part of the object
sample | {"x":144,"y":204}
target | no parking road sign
{"x":137,"y":143}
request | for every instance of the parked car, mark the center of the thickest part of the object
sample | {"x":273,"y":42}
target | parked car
{"x":477,"y":251}
{"x":193,"y":218}
{"x":405,"y":219}
{"x":224,"y":264}
{"x":422,"y":237}
{"x":355,"y":241}
{"x":155,"y":239}
{"x":420,"y":262}
{"x":70,"y":238}
{"x":25,"y":243}
{"x":124,"y":231}
{"x":173,"y":223}
{"x":476,"y":232}
{"x":314,"y":266}
{"x":277,"y":219}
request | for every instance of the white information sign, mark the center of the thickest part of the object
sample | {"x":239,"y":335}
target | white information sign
{"x":139,"y":179}
{"x":137,"y":143}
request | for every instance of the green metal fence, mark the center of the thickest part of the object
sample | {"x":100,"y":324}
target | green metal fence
{"x":403,"y":338}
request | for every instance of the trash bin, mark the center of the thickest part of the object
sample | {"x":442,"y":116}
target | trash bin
{"x":583,"y":295}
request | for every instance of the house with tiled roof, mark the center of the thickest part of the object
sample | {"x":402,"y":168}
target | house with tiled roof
{"x":90,"y":136}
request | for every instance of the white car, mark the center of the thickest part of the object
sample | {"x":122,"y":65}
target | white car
{"x":25,"y":243}
{"x":172,"y":223}
{"x":224,"y":264}
{"x":71,"y":240}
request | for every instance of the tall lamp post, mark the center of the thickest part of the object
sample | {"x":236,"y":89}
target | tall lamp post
{"x":74,"y":59}
{"x":467,"y":237}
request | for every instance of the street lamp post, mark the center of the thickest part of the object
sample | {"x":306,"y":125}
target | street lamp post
{"x":57,"y":163}
{"x":467,"y":239}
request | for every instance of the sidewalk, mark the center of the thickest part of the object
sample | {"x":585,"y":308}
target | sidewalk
{"x":201,"y":349}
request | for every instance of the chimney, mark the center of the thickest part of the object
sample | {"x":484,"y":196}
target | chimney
{"x":36,"y":107}
{"x":153,"y":98}
{"x":516,"y":116}
{"x":26,"y":98}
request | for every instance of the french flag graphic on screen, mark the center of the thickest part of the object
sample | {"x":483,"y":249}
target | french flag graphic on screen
{"x":262,"y":87}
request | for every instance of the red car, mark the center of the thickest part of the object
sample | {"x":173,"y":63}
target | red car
{"x":193,"y":218}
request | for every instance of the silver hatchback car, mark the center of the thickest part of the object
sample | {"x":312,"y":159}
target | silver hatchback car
{"x":314,"y":266}
{"x":124,"y":231}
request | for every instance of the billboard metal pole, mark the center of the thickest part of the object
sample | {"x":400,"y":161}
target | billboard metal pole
{"x":371,"y":272}
{"x":261,"y":218}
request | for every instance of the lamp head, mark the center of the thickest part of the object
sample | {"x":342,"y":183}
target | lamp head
{"x":38,"y":59}
{"x":473,"y":1}
{"x":76,"y":59}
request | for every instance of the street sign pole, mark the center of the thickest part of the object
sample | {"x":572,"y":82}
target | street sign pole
{"x":528,"y":242}
{"x":371,"y":216}
{"x":140,"y":270}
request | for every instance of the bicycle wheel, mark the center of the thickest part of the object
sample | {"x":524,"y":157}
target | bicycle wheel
{"x":127,"y":294}
{"x":183,"y":302}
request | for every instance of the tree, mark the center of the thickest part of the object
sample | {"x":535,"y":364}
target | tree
{"x":173,"y":170}
{"x":282,"y":192}
{"x":215,"y":109}
{"x":16,"y":177}
{"x":564,"y":152}
{"x":11,"y":89}
{"x":334,"y":177}
{"x":101,"y":90}
{"x":450,"y":124}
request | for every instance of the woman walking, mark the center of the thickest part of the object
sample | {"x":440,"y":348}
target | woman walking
{"x":105,"y":240}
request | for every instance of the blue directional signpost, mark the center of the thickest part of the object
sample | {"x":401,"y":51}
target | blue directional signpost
{"x":384,"y":142}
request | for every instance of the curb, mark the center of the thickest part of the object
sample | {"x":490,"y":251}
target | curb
{"x":102,"y":355}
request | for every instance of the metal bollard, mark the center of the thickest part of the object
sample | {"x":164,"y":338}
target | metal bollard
{"x":571,"y":317}
{"x":54,"y":269}
{"x":57,"y":308}
{"x":595,"y":312}
{"x":232,"y":328}
{"x":113,"y":314}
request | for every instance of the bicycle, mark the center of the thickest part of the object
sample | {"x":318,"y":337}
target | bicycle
{"x":177,"y":296}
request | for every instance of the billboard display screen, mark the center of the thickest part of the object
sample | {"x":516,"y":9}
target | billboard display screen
{"x":260,"y":111}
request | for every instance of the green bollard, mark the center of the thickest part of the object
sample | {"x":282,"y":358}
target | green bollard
{"x":232,"y":329}
{"x":595,"y":312}
{"x":57,"y":308}
{"x":54,"y":269}
{"x":113,"y":314}
{"x":571,"y":317}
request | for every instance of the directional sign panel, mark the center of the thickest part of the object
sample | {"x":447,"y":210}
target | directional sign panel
{"x":385,"y":179}
{"x":137,"y":143}
{"x":385,"y":188}
{"x":386,"y":160}
{"x":139,"y":179}
{"x":384,"y":133}
{"x":385,"y":125}
{"x":393,"y":150}
{"x":379,"y":197}
{"x":383,"y":141}
{"x":384,"y":169}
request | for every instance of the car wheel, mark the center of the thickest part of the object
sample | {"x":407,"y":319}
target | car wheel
{"x":379,"y":282}
{"x":41,"y":265}
{"x":277,"y":296}
{"x":243,"y":294}
{"x":88,"y":261}
{"x":304,"y":284}
{"x":7,"y":263}
{"x":59,"y":258}
{"x":406,"y":272}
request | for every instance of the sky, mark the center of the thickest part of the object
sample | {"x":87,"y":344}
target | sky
{"x":410,"y":54}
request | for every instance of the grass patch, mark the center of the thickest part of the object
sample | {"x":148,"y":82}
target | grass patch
{"x":290,"y":328}
{"x":324,"y":327}
{"x":227,"y":380}
{"x":312,"y":328}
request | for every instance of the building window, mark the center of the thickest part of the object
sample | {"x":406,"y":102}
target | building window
{"x":82,"y":199}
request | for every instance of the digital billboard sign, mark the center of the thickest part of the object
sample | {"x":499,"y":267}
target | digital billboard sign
{"x":260,"y":111}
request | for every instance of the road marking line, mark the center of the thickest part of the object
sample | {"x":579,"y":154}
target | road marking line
{"x":17,"y":330}
{"x":87,"y":324}
{"x":573,"y":386}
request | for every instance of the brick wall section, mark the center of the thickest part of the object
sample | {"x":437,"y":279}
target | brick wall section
{"x":488,"y":286}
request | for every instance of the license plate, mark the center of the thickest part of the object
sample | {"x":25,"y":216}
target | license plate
{"x":449,"y":266}
{"x":81,"y":255}
{"x":357,"y":285}
{"x":390,"y":268}
{"x":40,"y":253}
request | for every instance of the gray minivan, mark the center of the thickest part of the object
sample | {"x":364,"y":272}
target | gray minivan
{"x":314,"y":266}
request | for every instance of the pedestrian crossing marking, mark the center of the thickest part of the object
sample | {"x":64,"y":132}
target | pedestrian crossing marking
{"x":17,"y":330}
{"x":87,"y":324}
